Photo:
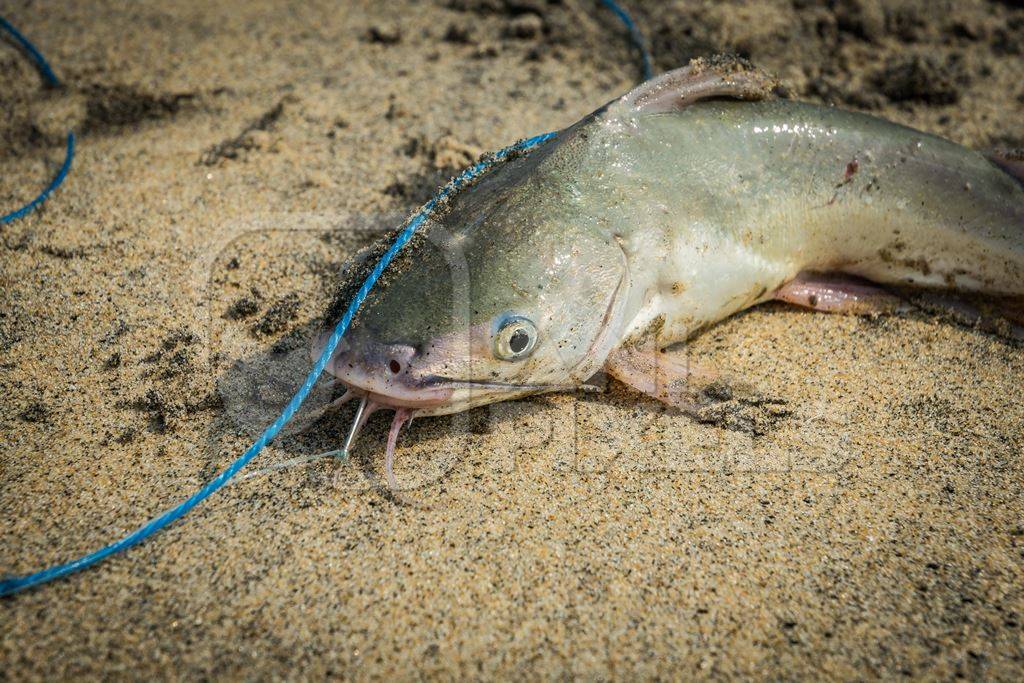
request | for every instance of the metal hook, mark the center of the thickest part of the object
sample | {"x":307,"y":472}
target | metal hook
{"x":356,"y":423}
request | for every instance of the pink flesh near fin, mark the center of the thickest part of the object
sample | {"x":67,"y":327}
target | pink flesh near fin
{"x":837,"y":293}
{"x":401,"y":416}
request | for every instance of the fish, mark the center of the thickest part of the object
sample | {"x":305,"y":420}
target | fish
{"x":702,"y":192}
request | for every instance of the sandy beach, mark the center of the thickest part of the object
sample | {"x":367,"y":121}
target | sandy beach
{"x":864,"y":521}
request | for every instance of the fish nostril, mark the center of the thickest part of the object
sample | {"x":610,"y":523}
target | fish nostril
{"x":394,"y":366}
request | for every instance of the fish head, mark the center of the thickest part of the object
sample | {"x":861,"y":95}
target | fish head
{"x":510,"y":289}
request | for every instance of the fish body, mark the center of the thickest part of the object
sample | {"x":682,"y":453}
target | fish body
{"x":720,"y":204}
{"x":695,"y":196}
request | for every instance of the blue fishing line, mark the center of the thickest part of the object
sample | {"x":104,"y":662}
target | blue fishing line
{"x":54,"y":184}
{"x":18,"y":583}
{"x":37,"y":56}
{"x":51,"y":79}
{"x":635,"y":36}
{"x":13,"y":585}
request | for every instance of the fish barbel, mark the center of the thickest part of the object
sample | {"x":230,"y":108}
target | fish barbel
{"x":696,"y":195}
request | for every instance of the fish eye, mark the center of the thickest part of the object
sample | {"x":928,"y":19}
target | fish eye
{"x":515,"y":339}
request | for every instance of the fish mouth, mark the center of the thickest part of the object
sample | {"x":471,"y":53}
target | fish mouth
{"x":434,"y":391}
{"x":420,"y":397}
{"x":383,"y":374}
{"x":381,"y":377}
{"x":455,"y":382}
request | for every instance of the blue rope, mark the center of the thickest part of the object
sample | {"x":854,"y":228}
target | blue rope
{"x":36,"y":55}
{"x":54,"y":184}
{"x":18,"y":583}
{"x":69,"y":155}
{"x":635,"y":36}
{"x":13,"y":585}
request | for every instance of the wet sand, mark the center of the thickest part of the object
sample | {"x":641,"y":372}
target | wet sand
{"x":865,"y":522}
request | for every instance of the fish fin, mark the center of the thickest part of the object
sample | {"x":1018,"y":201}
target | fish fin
{"x":1009,"y":160}
{"x":666,"y":377}
{"x":839,"y":293}
{"x":1002,"y":316}
{"x":702,"y":79}
{"x":701,"y":393}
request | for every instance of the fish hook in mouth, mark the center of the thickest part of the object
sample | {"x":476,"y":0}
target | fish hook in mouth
{"x":367,"y":407}
{"x":370,"y":403}
{"x":405,"y":414}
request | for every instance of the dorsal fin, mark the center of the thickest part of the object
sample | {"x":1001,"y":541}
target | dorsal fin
{"x":702,"y":79}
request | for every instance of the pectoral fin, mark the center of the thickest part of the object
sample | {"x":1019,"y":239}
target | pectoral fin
{"x":849,"y":295}
{"x":672,"y":379}
{"x":667,"y":377}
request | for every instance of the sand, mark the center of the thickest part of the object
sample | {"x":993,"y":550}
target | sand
{"x":866,"y":522}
